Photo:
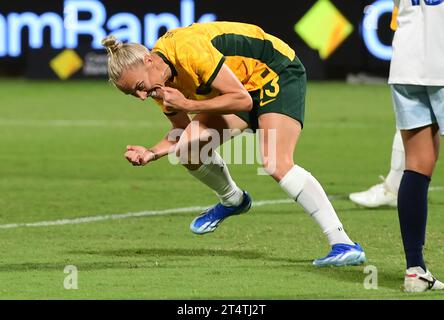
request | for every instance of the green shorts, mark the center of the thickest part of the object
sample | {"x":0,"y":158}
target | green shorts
{"x":285,"y":94}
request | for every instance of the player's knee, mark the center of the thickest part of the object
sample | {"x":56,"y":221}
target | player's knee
{"x":423,"y":167}
{"x":422,"y":163}
{"x":188,"y":153}
{"x":279,"y":168}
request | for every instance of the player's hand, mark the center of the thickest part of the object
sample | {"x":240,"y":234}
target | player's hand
{"x":174,"y":100}
{"x":139,"y":156}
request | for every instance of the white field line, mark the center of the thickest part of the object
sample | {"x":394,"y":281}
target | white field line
{"x":75,"y":123}
{"x":148,"y":213}
{"x":128,"y":215}
{"x":147,"y":124}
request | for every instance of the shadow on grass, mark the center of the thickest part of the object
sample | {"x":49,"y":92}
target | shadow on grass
{"x":386,"y":279}
{"x":60,"y":266}
{"x":167,"y":252}
{"x":129,"y":253}
{"x":353,"y":274}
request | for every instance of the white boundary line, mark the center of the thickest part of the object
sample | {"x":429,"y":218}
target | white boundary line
{"x":129,"y":123}
{"x":147,"y":214}
{"x":128,"y":215}
{"x":76,"y":123}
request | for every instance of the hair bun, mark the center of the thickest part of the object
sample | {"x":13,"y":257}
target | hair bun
{"x":111,"y":44}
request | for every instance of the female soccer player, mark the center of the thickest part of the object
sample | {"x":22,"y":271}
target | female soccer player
{"x":417,"y":83}
{"x":233,"y":76}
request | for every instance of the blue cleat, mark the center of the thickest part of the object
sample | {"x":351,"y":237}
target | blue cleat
{"x":342,"y":255}
{"x":211,"y":218}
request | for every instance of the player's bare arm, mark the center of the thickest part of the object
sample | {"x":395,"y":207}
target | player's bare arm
{"x":141,"y":156}
{"x":233,"y":97}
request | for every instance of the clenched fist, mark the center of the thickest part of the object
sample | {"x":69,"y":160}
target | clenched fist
{"x":139,"y":156}
{"x":174,"y":100}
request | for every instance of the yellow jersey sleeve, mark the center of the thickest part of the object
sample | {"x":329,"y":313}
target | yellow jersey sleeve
{"x":394,"y":22}
{"x":200,"y":59}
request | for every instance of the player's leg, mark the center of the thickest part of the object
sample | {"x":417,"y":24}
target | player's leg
{"x":279,"y":135}
{"x":385,"y":193}
{"x":397,"y":164}
{"x":209,"y":167}
{"x":196,"y":151}
{"x":413,"y":110}
{"x":422,"y":146}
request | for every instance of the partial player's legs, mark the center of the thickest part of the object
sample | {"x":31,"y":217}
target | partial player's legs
{"x":397,"y":165}
{"x":422,"y":148}
{"x":419,"y":115}
{"x":282,"y":133}
{"x":206,"y":133}
{"x":386,"y":192}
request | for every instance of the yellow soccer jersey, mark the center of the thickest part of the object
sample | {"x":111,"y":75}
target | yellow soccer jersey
{"x":196,"y":54}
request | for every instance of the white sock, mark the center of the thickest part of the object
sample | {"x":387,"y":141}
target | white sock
{"x":397,"y":165}
{"x":216,"y":176}
{"x":301,"y":186}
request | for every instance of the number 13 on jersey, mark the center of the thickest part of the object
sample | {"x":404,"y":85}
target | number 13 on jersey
{"x":269,"y":92}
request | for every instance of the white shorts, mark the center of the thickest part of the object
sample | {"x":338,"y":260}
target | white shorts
{"x":418,"y":106}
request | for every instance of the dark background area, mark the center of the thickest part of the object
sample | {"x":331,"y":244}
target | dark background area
{"x":276,"y":17}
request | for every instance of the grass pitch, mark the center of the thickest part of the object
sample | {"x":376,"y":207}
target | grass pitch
{"x":61,"y":157}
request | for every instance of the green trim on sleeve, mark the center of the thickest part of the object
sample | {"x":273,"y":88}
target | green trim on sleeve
{"x":216,"y":72}
{"x":205,"y":88}
{"x":230,"y":44}
{"x":168,"y":62}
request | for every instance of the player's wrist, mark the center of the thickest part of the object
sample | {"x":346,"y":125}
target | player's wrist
{"x":191,"y":106}
{"x":153,"y":156}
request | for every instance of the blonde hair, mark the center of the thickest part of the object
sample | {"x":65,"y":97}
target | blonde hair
{"x":122,"y":56}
